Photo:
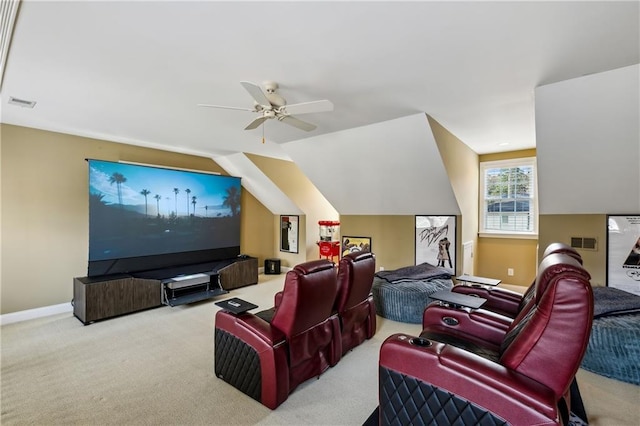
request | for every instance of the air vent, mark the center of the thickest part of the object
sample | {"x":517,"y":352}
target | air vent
{"x":21,"y":102}
{"x":586,"y":243}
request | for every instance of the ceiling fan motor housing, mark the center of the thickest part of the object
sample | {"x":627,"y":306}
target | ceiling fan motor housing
{"x":275,"y":99}
{"x":270,"y":86}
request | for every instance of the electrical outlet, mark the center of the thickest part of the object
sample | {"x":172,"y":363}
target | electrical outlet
{"x":382,"y":268}
{"x":510,"y":272}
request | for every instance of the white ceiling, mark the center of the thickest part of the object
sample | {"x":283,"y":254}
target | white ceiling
{"x":133,"y":71}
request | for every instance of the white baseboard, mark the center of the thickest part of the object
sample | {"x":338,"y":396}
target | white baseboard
{"x":35,"y":313}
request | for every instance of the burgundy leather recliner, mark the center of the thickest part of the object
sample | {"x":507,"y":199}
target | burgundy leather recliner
{"x":354,"y":302}
{"x":488,"y":323}
{"x":507,"y":302}
{"x":442,"y":377}
{"x":268,"y":360}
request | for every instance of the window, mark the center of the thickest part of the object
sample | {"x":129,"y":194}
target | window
{"x":508,"y":201}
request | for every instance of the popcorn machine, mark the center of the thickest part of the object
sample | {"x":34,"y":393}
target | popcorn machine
{"x":329,"y":244}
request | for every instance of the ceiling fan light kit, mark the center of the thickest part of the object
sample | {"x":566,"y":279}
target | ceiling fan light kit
{"x":269,"y":104}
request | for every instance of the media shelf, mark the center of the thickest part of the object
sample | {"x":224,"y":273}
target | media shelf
{"x":98,"y":298}
{"x":185,"y":289}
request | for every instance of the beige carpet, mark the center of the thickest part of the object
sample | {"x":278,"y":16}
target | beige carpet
{"x":156,"y":368}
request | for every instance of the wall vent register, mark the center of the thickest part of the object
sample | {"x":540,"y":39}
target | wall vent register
{"x":586,"y":243}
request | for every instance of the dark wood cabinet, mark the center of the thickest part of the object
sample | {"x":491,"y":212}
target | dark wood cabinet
{"x":241,"y":273}
{"x":97,"y":299}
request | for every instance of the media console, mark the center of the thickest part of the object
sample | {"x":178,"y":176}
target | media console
{"x":98,"y":298}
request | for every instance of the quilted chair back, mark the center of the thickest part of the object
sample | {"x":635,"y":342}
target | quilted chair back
{"x":548,"y":342}
{"x":305,"y":315}
{"x":354,"y":302}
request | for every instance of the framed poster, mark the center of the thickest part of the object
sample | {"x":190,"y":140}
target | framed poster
{"x":436,"y":241}
{"x":289,"y":234}
{"x":354,"y":244}
{"x":623,"y":252}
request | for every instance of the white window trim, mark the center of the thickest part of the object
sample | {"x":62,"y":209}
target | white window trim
{"x":514,"y":162}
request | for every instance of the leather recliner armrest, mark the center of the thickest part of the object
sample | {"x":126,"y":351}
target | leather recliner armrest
{"x":499,"y":300}
{"x":486,"y":385}
{"x":249,"y":327}
{"x":477,"y":324}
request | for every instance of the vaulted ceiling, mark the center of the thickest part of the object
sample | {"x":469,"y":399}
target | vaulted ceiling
{"x":135,"y":72}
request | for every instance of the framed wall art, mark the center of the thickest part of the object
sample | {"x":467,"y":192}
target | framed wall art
{"x":435,"y":241}
{"x":354,"y":244}
{"x":289,"y":233}
{"x":623,"y":252}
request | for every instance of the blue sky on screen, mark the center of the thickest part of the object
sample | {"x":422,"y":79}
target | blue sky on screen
{"x":208,"y":189}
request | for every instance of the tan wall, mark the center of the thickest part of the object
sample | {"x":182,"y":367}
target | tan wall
{"x":44,"y":214}
{"x":463,"y":171}
{"x":45,"y":207}
{"x":392,"y":237}
{"x":256,"y":228}
{"x":496,"y":255}
{"x":295,"y":184}
{"x":562,"y":227}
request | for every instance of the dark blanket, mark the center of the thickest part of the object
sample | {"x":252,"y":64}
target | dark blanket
{"x":612,"y":301}
{"x":424,"y":271}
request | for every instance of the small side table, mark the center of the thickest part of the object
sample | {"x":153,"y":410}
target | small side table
{"x":236,"y":306}
{"x":477,"y":281}
{"x":457,"y":300}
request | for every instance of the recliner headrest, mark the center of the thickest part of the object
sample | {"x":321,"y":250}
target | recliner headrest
{"x":562,"y":248}
{"x":555,"y":264}
{"x":359,"y":255}
{"x":313,"y":266}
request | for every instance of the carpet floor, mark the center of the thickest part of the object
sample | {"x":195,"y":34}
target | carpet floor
{"x":156,"y":368}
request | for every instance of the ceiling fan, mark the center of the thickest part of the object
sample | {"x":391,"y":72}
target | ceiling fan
{"x":270,"y":104}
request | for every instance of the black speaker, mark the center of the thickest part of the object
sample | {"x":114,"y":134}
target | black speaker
{"x":272,"y":266}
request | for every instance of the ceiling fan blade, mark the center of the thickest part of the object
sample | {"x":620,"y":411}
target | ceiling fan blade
{"x":308,"y":107}
{"x":256,"y":93}
{"x":256,"y":123}
{"x":227,"y":107}
{"x":302,"y":125}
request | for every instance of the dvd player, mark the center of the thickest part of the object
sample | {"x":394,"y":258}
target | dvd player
{"x":182,"y":281}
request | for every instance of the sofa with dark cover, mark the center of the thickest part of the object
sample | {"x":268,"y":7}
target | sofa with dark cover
{"x":354,"y":302}
{"x":402,"y":294}
{"x":614,"y":345}
{"x":449,"y":375}
{"x":268,"y":356}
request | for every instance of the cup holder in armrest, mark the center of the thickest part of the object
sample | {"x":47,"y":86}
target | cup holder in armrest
{"x":420,"y":341}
